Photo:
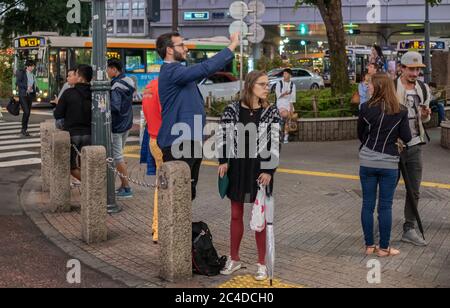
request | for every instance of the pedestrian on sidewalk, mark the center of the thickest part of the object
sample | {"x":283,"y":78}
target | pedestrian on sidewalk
{"x":182,"y":104}
{"x":415,"y":95}
{"x":151,"y":106}
{"x":247,"y":170}
{"x":382,"y":122}
{"x":437,"y":103}
{"x":75,"y":107}
{"x":26,"y":83}
{"x":72,"y":79}
{"x":122,"y":91}
{"x":377,"y":58}
{"x":286,"y":93}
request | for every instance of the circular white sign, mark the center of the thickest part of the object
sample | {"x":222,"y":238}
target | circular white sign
{"x":238,"y":10}
{"x":257,"y":33}
{"x":239,"y":26}
{"x":258,"y":8}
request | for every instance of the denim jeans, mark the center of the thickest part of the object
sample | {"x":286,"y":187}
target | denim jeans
{"x":386,"y":180}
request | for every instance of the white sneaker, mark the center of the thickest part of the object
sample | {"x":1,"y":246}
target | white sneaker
{"x":231,"y":266}
{"x":286,"y":139}
{"x":261,"y":274}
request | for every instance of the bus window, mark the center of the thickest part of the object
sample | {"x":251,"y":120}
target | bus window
{"x":134,"y":61}
{"x":154,"y":62}
{"x":83,"y":56}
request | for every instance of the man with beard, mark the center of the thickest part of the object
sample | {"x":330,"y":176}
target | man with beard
{"x":415,"y":96}
{"x":183,"y":113}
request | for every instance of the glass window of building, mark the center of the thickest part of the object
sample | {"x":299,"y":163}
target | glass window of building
{"x":138,"y":26}
{"x":123,"y":9}
{"x":123,"y":26}
{"x":110,"y":9}
{"x":138,"y":8}
{"x":110,"y":26}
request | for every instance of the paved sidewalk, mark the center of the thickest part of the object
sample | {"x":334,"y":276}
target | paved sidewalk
{"x":319,"y":240}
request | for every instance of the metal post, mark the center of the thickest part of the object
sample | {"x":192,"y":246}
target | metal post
{"x":175,"y":15}
{"x":427,"y":73}
{"x":101,"y":111}
{"x":241,"y":60}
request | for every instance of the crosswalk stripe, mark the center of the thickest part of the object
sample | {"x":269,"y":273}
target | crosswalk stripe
{"x":7,"y":137}
{"x":17,"y":131}
{"x":17,"y":127}
{"x":19,"y":141}
{"x":3,"y":123}
{"x":20,"y":146}
{"x":21,"y":162}
{"x":17,"y":153}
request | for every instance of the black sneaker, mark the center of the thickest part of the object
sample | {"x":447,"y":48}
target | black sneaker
{"x":25,"y":134}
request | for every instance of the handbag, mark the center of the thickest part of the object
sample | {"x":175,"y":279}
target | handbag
{"x":293,"y":123}
{"x":258,"y":219}
{"x":356,"y":98}
{"x":13,"y":107}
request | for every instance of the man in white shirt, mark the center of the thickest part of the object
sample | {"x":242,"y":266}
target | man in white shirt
{"x":415,"y":96}
{"x":286,"y":93}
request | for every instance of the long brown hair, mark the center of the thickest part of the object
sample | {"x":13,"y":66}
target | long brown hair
{"x":384,"y":94}
{"x":247,"y":92}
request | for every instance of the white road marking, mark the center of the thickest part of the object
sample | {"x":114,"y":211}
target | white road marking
{"x":17,"y":153}
{"x":22,"y":162}
{"x":20,"y":146}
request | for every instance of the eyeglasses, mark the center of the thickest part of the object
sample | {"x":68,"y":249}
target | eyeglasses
{"x":263,"y":84}
{"x":182,"y":45}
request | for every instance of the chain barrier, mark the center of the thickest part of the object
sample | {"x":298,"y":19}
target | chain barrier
{"x":110,"y":164}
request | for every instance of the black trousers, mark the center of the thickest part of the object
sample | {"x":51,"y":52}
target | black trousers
{"x":193,"y":162}
{"x":25,"y":102}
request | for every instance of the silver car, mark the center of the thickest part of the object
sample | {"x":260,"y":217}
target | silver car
{"x":303,"y":79}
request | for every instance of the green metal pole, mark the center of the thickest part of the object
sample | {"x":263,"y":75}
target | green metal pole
{"x":101,"y":111}
{"x":427,"y":73}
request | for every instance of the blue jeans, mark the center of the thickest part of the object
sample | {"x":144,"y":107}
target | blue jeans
{"x":371,"y":179}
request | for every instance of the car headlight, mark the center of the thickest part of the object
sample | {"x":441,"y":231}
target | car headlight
{"x":14,"y":92}
{"x":39,"y":100}
{"x":45,"y":94}
{"x":40,"y":92}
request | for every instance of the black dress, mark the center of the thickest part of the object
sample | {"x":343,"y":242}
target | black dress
{"x":244,"y":172}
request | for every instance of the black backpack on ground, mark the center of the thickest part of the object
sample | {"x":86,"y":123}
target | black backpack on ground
{"x":205,"y":260}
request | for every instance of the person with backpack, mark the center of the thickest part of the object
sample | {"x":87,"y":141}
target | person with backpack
{"x":286,"y":94}
{"x":415,"y":96}
{"x":122,"y":91}
{"x":242,"y":160}
{"x":382,"y":122}
{"x":75,"y":107}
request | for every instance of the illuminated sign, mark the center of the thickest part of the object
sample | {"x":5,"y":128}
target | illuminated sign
{"x":196,"y":16}
{"x":113,"y":55}
{"x":29,"y":42}
{"x":420,"y":45}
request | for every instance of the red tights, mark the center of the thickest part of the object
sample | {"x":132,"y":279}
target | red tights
{"x":237,"y":232}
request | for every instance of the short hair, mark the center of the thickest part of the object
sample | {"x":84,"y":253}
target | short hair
{"x":115,"y":63}
{"x":432,"y":84}
{"x":287,"y":70}
{"x":374,"y":65}
{"x":29,"y":63}
{"x":72,"y":69}
{"x":165,"y":41}
{"x":85,"y":71}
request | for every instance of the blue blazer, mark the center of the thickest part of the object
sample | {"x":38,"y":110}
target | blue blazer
{"x":181,"y":100}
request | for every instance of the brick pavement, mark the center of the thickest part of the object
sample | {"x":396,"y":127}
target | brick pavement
{"x":319,"y":240}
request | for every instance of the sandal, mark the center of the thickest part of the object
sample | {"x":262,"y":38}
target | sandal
{"x":390,"y":252}
{"x":370,"y":250}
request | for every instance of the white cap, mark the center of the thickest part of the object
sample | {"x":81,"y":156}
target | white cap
{"x":412,"y":59}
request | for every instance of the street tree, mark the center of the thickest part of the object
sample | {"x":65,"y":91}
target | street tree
{"x":331,"y":12}
{"x":20,"y":17}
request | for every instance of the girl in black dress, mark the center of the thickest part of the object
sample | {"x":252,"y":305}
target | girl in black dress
{"x":249,"y":157}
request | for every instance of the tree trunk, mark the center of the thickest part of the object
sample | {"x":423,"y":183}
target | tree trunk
{"x":332,"y":16}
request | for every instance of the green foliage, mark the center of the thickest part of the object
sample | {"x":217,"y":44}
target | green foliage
{"x":6,"y":72}
{"x":266,"y":64}
{"x":34,"y":15}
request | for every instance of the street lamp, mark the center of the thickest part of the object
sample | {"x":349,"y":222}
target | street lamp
{"x":101,"y":109}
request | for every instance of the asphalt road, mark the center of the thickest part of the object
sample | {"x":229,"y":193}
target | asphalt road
{"x":27,"y":258}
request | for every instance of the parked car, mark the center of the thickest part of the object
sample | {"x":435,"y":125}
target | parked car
{"x":303,"y":79}
{"x":220,"y":85}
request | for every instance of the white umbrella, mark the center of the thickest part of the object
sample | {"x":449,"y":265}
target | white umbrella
{"x":270,"y":238}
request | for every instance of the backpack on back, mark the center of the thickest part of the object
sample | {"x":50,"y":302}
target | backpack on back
{"x":205,"y":260}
